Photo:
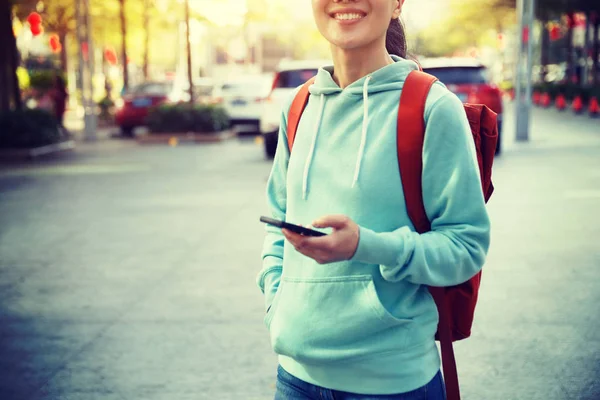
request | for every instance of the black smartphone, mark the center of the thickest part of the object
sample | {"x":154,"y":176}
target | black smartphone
{"x":294,"y":228}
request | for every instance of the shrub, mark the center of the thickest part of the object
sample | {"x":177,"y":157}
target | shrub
{"x":27,"y":129}
{"x":172,"y":118}
{"x":43,"y":79}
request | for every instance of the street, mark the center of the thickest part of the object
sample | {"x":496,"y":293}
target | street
{"x":128,"y":272}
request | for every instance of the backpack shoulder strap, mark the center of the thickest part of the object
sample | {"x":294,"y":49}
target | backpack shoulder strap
{"x":411,"y":135}
{"x":296,"y":110}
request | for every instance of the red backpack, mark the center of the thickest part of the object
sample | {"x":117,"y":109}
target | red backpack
{"x":456,"y":304}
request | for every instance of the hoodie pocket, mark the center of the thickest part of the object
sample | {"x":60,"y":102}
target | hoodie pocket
{"x":324,"y":320}
{"x":273,"y":308}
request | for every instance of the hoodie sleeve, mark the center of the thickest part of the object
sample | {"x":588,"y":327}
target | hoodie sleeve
{"x":455,"y":248}
{"x":272,"y":252}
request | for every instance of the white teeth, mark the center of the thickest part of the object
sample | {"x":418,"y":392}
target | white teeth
{"x":346,"y":17}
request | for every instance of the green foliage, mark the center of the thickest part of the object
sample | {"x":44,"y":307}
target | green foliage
{"x":188,"y":118}
{"x":27,"y":129}
{"x":106,"y":106}
{"x":471,"y":23}
{"x":43,"y":79}
{"x":506,"y":85}
{"x":23,"y":77}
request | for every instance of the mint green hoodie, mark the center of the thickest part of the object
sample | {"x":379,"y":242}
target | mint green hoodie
{"x":367,"y":325}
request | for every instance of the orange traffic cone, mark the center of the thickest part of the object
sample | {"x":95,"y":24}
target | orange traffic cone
{"x":560,"y":103}
{"x":545,"y":100}
{"x":577,"y":105}
{"x":536,"y":98}
{"x":594,"y":108}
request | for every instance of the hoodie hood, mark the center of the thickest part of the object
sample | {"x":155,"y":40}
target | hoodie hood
{"x":389,"y":78}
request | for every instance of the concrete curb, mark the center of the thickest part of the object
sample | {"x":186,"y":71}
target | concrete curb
{"x":19,"y":154}
{"x":190,"y":137}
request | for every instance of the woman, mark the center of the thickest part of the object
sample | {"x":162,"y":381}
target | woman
{"x":349,"y":313}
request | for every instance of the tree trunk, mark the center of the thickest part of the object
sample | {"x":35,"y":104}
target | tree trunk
{"x":14,"y":63}
{"x":10,"y":96}
{"x":63,"y":53}
{"x":570,"y":61}
{"x":545,"y":49}
{"x":596,"y":52}
{"x":189,"y":50}
{"x":5,"y":21}
{"x":124,"y":45}
{"x":146,"y":38}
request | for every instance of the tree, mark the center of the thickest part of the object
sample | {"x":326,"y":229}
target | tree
{"x":146,"y":22}
{"x":58,"y":17}
{"x":470,"y":23}
{"x":124,"y":59}
{"x":10,"y":95}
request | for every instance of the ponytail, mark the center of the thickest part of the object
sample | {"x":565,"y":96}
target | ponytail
{"x":395,"y":40}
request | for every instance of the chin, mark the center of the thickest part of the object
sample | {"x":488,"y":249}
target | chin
{"x":349,"y":44}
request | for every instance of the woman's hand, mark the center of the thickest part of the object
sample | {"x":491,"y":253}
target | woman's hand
{"x":340,"y":245}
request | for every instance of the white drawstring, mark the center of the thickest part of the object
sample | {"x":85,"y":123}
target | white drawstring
{"x":365,"y":125}
{"x":312,"y":147}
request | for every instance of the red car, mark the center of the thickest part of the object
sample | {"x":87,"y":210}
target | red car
{"x":470,"y":81}
{"x":140,"y":99}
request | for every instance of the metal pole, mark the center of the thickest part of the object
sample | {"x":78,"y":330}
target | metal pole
{"x":530,"y":43}
{"x":79,"y":30}
{"x":86,"y":68}
{"x":524,"y":66}
{"x":89,"y":105}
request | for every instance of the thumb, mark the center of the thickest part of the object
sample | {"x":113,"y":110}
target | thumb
{"x":331,"y":221}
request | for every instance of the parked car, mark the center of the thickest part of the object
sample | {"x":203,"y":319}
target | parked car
{"x":243,"y":100}
{"x":471,"y":81}
{"x":137,"y":102}
{"x":288,"y":76}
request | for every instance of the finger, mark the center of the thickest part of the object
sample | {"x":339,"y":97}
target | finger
{"x":292,"y":237}
{"x":331,"y":221}
{"x":323,"y":244}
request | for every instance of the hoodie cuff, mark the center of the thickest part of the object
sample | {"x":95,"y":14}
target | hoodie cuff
{"x":384,"y":248}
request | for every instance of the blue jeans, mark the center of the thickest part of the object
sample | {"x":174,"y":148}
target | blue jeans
{"x":291,"y":388}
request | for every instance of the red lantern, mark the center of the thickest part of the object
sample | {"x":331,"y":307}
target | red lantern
{"x":34,"y":19}
{"x":526,"y":34}
{"x":580,"y":20}
{"x":55,"y":44}
{"x":110,"y":55}
{"x":570,"y":20}
{"x":36,"y":30}
{"x":555,"y":32}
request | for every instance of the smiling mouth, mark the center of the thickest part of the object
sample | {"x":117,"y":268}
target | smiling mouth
{"x":348,"y":16}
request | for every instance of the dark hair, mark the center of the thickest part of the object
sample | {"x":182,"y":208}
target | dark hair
{"x":395,"y":40}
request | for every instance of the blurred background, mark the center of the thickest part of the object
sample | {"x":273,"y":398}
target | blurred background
{"x":106,"y":50}
{"x":136,"y":140}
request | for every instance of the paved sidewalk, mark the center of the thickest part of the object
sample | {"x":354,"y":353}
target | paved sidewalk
{"x":128,"y":272}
